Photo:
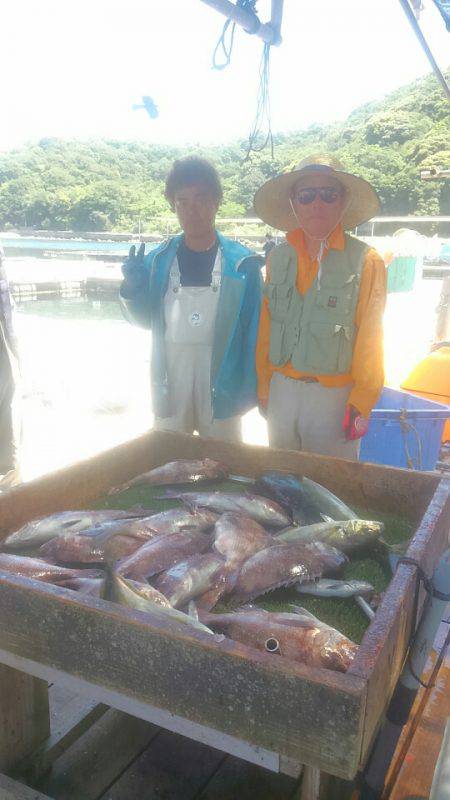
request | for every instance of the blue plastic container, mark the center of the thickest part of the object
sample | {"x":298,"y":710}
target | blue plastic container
{"x":404,"y":431}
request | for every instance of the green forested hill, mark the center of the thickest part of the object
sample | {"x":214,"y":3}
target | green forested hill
{"x":108,"y":185}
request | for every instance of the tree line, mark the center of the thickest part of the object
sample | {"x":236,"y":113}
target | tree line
{"x":57,"y":184}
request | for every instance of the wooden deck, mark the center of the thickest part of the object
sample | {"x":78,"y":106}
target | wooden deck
{"x":97,"y":753}
{"x":414,"y":761}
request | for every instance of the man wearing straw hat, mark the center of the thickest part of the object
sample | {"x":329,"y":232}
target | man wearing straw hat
{"x":320,"y":347}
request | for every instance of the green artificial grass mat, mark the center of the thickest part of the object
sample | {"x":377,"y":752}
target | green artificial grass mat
{"x":343,"y":614}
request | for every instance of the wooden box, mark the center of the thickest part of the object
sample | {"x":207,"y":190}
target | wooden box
{"x":263,"y":708}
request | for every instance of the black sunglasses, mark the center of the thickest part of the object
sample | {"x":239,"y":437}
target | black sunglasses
{"x":328,"y":194}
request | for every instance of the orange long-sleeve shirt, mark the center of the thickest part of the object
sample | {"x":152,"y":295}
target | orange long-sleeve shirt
{"x":367,"y":372}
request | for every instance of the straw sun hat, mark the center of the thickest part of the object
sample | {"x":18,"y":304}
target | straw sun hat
{"x":272,"y":199}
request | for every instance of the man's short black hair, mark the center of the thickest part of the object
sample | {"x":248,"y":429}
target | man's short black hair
{"x":188,"y":171}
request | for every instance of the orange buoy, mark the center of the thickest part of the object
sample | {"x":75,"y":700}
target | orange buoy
{"x":430,"y":378}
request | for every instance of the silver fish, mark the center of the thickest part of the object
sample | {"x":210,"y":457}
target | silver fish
{"x":319,"y":496}
{"x":283,"y":564}
{"x":181,"y":471}
{"x":146,"y":598}
{"x":121,"y":538}
{"x":328,"y":587}
{"x":191,"y":578}
{"x":348,"y":535}
{"x":42,"y":570}
{"x":63,"y":523}
{"x":161,"y":553}
{"x":237,"y":537}
{"x":329,"y":504}
{"x":178,"y":519}
{"x":261,"y":509}
{"x":299,"y":636}
{"x":134,"y":594}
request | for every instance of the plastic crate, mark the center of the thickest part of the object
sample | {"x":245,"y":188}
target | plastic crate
{"x":401,"y":274}
{"x":404,"y":431}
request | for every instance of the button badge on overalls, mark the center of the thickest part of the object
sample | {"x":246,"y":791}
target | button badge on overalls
{"x":195,"y":319}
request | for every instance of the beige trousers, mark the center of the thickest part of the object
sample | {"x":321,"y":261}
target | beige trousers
{"x":308,"y":416}
{"x":189,"y":368}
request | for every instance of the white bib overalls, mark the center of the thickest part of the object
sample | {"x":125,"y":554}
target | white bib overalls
{"x":190,"y":315}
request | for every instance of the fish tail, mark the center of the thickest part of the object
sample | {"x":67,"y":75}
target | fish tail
{"x":209,"y":599}
{"x":193,"y":611}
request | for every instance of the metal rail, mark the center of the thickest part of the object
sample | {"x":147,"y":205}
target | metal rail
{"x":415,"y":26}
{"x":269,"y":32}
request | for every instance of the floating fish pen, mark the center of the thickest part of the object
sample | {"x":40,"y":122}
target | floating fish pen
{"x":46,"y":290}
{"x":265,"y":709}
{"x":102,"y":288}
{"x":92,"y":288}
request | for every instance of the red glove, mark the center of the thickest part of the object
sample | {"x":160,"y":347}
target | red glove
{"x":354,"y":425}
{"x":262,"y":407}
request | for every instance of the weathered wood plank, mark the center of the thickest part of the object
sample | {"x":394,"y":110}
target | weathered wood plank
{"x":238,"y":779}
{"x":24,"y":716}
{"x":71,"y":715}
{"x":311,"y":715}
{"x":415,"y":758}
{"x":370,"y":485}
{"x":95,"y":761}
{"x":172,"y":766}
{"x":12,"y":790}
{"x":385,"y":644}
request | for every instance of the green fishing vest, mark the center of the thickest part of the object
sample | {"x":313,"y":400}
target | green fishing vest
{"x":315,"y":332}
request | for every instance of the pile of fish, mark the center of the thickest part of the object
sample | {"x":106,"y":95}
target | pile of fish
{"x":232,"y":547}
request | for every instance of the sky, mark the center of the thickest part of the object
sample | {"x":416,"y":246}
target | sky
{"x":74,"y":68}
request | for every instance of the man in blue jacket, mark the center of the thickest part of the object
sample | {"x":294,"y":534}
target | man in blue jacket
{"x":200,"y":294}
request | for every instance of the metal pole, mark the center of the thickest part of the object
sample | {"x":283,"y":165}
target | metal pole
{"x":247,"y":20}
{"x":415,"y":26}
{"x":276,"y":17}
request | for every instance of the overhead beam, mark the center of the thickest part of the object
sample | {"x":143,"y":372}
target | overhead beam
{"x":269,"y":32}
{"x":415,"y":26}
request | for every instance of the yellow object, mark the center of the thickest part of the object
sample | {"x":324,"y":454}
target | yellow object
{"x":367,"y":374}
{"x":431,"y":379}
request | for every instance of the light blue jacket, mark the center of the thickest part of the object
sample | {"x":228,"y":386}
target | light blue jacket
{"x":233,"y":372}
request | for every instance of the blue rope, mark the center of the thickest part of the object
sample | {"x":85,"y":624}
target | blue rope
{"x":227,"y":46}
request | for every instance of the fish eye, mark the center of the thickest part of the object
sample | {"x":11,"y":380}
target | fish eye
{"x":272,"y":645}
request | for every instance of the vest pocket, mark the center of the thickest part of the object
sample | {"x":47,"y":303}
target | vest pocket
{"x":277,"y":330}
{"x":328,"y":348}
{"x":336,"y":299}
{"x":279,"y":296}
